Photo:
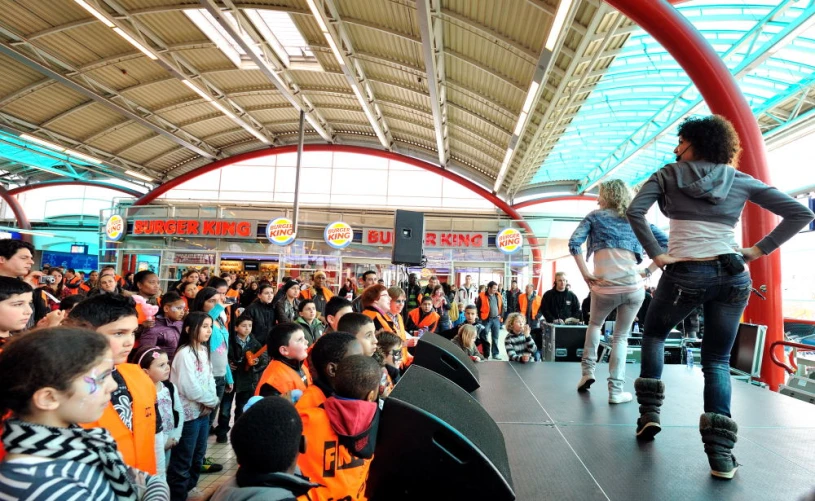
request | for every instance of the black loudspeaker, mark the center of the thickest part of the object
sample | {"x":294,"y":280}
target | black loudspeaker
{"x":441,"y":356}
{"x":408,"y":236}
{"x":436,"y":442}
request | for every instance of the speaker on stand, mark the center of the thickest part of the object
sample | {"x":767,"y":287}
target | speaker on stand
{"x":408,"y":238}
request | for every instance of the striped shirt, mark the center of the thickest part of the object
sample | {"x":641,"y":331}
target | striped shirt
{"x":519,"y":344}
{"x":42,"y":479}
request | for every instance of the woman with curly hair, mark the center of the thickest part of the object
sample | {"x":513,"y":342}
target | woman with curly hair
{"x":616,"y":282}
{"x":703,"y":195}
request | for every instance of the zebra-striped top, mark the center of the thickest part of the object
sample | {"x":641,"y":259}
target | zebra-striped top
{"x":63,"y":480}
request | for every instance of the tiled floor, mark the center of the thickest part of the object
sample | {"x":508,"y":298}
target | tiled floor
{"x":223,"y":454}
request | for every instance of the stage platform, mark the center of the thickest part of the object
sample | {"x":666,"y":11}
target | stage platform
{"x":567,"y":445}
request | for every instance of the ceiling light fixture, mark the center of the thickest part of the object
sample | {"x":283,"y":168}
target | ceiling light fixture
{"x":110,"y":24}
{"x":138,"y":175}
{"x":557,"y":24}
{"x":95,"y":13}
{"x":61,"y":149}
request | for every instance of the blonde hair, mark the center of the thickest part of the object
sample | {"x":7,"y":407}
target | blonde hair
{"x":512,"y":318}
{"x":466,"y":335}
{"x":616,"y":195}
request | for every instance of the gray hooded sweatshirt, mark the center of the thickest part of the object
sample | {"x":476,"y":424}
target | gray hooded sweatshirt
{"x":703,"y":191}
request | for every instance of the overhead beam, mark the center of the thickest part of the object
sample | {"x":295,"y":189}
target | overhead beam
{"x":328,"y":19}
{"x":431,"y":26}
{"x":268,"y":64}
{"x":682,"y":105}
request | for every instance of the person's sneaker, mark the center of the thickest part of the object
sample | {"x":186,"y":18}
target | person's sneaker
{"x":209,"y":466}
{"x":585,"y":383}
{"x":195,"y":493}
{"x":221,"y":439}
{"x":647,"y":430}
{"x":498,"y":358}
{"x":620,"y":398}
{"x":726,"y":474}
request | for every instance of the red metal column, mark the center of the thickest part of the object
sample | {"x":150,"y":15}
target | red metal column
{"x":487,"y":195}
{"x":19,"y":213}
{"x":721,"y":93}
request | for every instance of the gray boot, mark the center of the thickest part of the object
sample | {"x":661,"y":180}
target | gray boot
{"x":719,"y":434}
{"x":650,"y":394}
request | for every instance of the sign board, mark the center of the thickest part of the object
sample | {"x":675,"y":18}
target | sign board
{"x":509,"y":241}
{"x":195,"y":228}
{"x":432,"y":239}
{"x":338,"y":235}
{"x":115,"y":228}
{"x":280,"y":231}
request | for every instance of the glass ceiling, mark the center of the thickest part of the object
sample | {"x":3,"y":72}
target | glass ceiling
{"x":15,"y":150}
{"x":629,"y":121}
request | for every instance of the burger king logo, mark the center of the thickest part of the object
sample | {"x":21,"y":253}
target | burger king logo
{"x":280,"y":231}
{"x":115,"y":228}
{"x":338,"y":235}
{"x":509,"y":241}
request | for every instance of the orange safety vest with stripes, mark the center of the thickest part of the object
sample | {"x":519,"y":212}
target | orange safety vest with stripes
{"x":137,"y":446}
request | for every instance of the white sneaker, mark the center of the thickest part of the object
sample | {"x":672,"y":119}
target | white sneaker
{"x":620,"y":398}
{"x":195,"y":493}
{"x":585,"y":383}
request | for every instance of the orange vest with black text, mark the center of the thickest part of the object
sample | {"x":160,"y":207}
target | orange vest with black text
{"x":342,"y":476}
{"x":137,"y":446}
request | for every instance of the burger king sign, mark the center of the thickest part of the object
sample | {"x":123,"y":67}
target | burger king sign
{"x":115,"y":228}
{"x":280,"y":231}
{"x":338,"y":235}
{"x":509,"y":241}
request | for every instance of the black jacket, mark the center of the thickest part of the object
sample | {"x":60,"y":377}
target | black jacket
{"x":560,"y":305}
{"x":263,"y":317}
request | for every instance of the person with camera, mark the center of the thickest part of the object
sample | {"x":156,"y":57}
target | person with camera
{"x":703,"y":195}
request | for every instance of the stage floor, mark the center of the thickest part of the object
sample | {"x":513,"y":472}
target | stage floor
{"x":567,"y":445}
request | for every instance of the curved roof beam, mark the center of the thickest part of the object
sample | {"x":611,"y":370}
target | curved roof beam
{"x":431,"y":27}
{"x":667,"y":117}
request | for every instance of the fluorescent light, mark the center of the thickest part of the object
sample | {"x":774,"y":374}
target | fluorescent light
{"x":520,"y":126}
{"x":138,"y":175}
{"x":135,"y":43}
{"x":95,"y":13}
{"x":198,"y":91}
{"x":557,"y":24}
{"x":255,"y":133}
{"x":530,"y":97}
{"x":334,"y":49}
{"x":82,"y":156}
{"x":42,"y":142}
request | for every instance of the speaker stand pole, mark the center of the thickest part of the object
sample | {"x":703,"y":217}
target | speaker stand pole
{"x":296,"y":210}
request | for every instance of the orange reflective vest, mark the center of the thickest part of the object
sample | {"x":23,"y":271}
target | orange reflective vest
{"x":342,"y":476}
{"x":430,"y":321}
{"x":312,"y":397}
{"x":381,"y":322}
{"x":72,"y":286}
{"x":311,"y":292}
{"x":137,"y":446}
{"x":283,"y":378}
{"x":536,"y":304}
{"x":484,"y":312}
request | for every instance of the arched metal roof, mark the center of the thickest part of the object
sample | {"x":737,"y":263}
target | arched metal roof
{"x":157,"y":88}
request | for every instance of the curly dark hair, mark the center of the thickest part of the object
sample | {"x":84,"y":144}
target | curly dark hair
{"x":713,"y":138}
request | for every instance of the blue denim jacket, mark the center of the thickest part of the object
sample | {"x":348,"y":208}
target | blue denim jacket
{"x":604,"y":229}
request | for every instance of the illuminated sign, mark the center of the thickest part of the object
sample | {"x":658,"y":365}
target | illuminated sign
{"x":280,"y":231}
{"x":115,"y":228}
{"x":509,"y":241}
{"x":435,"y":239}
{"x":338,"y":235}
{"x":195,"y":228}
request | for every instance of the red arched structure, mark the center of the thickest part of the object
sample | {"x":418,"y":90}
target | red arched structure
{"x":17,"y":209}
{"x":98,"y":184}
{"x":722,"y":94}
{"x":487,"y":195}
{"x":560,"y":198}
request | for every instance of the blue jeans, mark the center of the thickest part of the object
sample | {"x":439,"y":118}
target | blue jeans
{"x":492,"y":328}
{"x":683,"y":287}
{"x":187,"y":457}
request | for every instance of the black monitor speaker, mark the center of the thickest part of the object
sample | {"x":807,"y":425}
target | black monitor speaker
{"x":408,"y":236}
{"x":436,"y":442}
{"x":441,"y":356}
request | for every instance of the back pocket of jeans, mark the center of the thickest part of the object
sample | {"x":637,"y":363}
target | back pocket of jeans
{"x":739,"y":293}
{"x":682,"y":295}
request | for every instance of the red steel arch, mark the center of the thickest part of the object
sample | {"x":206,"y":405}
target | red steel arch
{"x":487,"y":195}
{"x":722,"y":94}
{"x":560,"y":198}
{"x":17,"y":209}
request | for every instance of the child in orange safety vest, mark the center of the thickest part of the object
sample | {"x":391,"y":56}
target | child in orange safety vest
{"x":131,"y":414}
{"x":285,"y":375}
{"x":423,"y":317}
{"x":323,"y":359}
{"x":340,"y":433}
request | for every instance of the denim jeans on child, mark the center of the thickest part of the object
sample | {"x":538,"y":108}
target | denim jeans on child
{"x":187,"y":457}
{"x":602,"y":305}
{"x":683,"y":287}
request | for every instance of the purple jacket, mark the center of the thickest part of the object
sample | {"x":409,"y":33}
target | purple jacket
{"x":164,"y":334}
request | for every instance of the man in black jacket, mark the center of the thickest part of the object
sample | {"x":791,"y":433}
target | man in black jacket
{"x":559,"y":303}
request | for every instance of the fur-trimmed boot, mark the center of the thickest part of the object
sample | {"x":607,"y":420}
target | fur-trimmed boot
{"x":650,"y":394}
{"x":719,"y":434}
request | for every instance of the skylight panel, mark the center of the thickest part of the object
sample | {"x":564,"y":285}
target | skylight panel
{"x":210,"y":27}
{"x":279,"y":30}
